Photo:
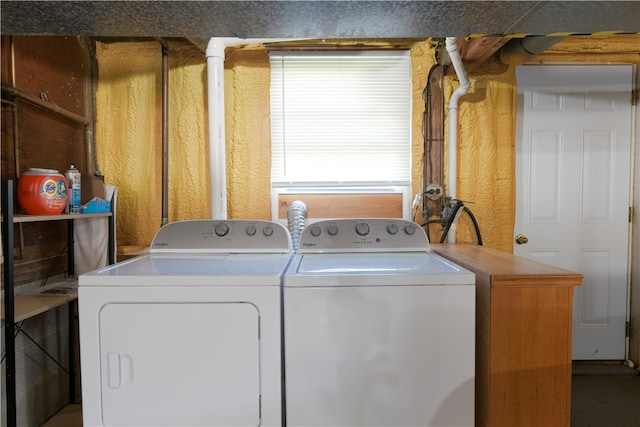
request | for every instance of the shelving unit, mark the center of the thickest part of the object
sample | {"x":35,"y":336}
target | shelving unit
{"x":29,"y":304}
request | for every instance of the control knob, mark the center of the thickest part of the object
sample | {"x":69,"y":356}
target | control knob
{"x":410,"y":229}
{"x":362,"y":228}
{"x":221,"y":229}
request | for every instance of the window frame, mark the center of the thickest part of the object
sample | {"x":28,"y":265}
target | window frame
{"x":402,"y":187}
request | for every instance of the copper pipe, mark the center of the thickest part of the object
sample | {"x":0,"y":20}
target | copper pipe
{"x":46,"y":105}
{"x":165,"y":132}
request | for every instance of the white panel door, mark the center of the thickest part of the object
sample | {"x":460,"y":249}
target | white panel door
{"x":573,"y":161}
{"x":180,"y":364}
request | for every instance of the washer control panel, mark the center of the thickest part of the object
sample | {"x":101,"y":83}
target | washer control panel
{"x":363,"y":235}
{"x":229,"y":236}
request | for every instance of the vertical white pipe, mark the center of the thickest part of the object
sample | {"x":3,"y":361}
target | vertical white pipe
{"x":217,"y":157}
{"x":463,"y":88}
{"x":215,"y":94}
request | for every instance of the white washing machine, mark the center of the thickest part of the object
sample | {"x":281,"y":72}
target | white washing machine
{"x":189,"y":335}
{"x":379,"y":331}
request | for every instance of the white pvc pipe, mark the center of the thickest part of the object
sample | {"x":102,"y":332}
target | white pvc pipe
{"x":215,"y":93}
{"x":463,"y":88}
{"x":217,"y":157}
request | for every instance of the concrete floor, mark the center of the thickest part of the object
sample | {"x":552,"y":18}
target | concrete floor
{"x":605,"y":395}
{"x":70,"y":416}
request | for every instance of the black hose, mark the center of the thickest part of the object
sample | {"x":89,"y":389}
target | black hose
{"x":425,"y":225}
{"x":452,"y":217}
{"x":475,"y":225}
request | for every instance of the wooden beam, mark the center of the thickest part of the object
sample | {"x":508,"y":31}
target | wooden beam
{"x":475,"y":51}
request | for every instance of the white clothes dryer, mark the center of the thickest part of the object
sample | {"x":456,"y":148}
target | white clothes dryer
{"x":379,"y":331}
{"x":189,"y":335}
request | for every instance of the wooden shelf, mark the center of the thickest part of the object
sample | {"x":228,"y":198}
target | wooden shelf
{"x":60,"y":217}
{"x":39,"y":300}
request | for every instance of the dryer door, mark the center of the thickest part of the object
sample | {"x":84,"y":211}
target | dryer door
{"x":180,"y":364}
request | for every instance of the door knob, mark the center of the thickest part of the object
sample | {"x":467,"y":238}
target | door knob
{"x":521,"y":239}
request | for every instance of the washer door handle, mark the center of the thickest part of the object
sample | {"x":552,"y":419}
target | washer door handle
{"x":119,"y":369}
{"x":114,"y":367}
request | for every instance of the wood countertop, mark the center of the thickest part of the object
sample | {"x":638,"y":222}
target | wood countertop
{"x":506,"y":269}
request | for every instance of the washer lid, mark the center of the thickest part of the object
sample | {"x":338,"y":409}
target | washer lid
{"x":374,"y":269}
{"x":358,"y":263}
{"x":192,"y":269}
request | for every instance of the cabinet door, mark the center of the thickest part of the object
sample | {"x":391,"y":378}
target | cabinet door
{"x":188,"y":364}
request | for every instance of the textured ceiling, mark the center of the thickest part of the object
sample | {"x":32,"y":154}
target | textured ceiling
{"x":316,"y":19}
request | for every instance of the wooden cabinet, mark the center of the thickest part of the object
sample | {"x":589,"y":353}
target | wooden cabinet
{"x":523,"y":337}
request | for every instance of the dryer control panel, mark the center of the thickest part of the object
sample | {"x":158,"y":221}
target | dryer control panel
{"x":227,"y":236}
{"x":363,"y":235}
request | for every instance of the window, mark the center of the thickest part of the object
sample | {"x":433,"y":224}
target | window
{"x":341,"y":121}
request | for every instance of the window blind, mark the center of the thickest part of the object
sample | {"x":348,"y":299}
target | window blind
{"x":340,"y":118}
